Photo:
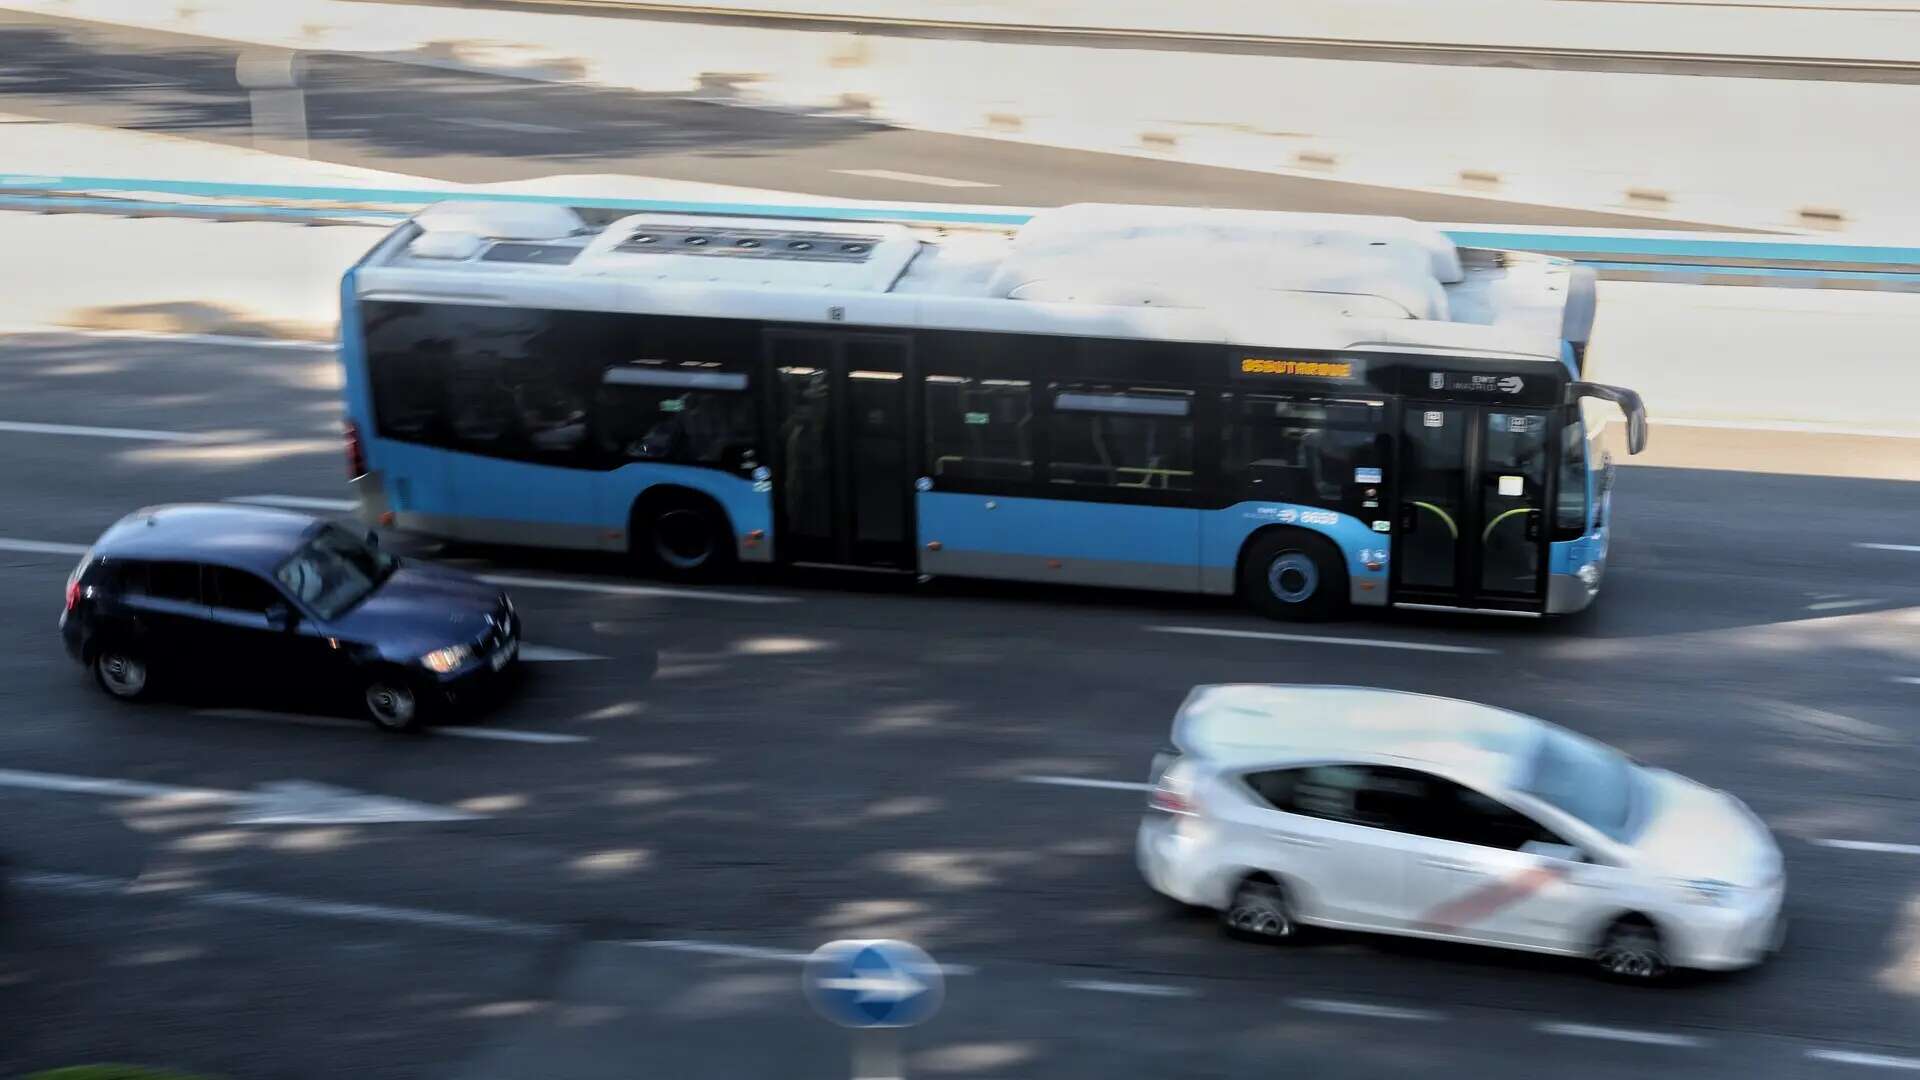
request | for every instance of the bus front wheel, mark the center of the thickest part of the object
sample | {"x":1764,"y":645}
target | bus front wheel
{"x":682,"y":537}
{"x":1293,"y":575}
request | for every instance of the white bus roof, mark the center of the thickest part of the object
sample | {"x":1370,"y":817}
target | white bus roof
{"x":1243,"y":277}
{"x":1250,"y":723}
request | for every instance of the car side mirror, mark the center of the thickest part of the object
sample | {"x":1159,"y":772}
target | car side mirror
{"x":281,"y":617}
{"x":1562,"y":852}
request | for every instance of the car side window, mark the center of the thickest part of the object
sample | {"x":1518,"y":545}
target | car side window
{"x":237,"y":590}
{"x":176,"y":581}
{"x":1355,"y":794}
{"x":1465,"y":816}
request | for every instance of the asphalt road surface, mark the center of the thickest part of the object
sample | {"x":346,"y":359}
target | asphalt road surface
{"x":456,"y":126}
{"x":695,"y":787}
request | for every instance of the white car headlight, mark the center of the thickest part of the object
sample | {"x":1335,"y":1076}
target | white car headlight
{"x":1710,"y":891}
{"x":441,"y":661}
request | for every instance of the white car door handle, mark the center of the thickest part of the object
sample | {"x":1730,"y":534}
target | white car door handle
{"x":1449,"y":864}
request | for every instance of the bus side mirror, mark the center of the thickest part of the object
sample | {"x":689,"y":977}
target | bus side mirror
{"x":1630,"y":406}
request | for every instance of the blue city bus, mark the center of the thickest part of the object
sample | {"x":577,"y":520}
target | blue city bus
{"x":1309,"y":411}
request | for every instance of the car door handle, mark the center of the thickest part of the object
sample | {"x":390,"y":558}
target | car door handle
{"x":1449,"y":864}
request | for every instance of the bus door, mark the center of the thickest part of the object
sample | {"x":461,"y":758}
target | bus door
{"x":841,"y":466}
{"x":1471,"y":529}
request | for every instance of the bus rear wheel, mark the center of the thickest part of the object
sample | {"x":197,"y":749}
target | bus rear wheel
{"x":682,"y":537}
{"x":1293,"y":575}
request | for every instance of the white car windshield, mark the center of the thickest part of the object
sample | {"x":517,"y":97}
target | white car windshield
{"x":335,"y":570}
{"x":1594,"y":783}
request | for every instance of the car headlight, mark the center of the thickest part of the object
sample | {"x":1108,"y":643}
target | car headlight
{"x":441,"y":661}
{"x":1709,"y":891}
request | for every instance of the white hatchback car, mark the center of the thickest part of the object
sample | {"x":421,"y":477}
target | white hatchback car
{"x":1405,"y":814}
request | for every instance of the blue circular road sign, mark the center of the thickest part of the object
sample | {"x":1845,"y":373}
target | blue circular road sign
{"x":870,"y":984}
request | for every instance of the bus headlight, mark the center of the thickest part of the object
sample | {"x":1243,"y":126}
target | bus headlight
{"x":441,"y":661}
{"x":1589,"y":574}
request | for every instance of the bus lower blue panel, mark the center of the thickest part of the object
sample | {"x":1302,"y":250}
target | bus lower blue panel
{"x":1224,"y":535}
{"x":748,"y":503}
{"x":1081,"y":543}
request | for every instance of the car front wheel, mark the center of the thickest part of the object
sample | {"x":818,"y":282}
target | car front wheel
{"x":1631,"y":951}
{"x":392,"y":704}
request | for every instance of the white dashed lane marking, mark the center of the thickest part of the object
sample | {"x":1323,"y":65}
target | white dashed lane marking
{"x":41,"y":547}
{"x":1324,"y":639}
{"x":612,"y":589}
{"x":1889,"y":547}
{"x":1086,"y":782}
{"x":1870,"y":845}
{"x":1361,"y":1008}
{"x":491,"y":734}
{"x":1872,"y":1061}
{"x":1613,"y":1034}
{"x":22,"y":427}
{"x":914,"y":178}
{"x":296,"y":502}
{"x":1103,"y":986}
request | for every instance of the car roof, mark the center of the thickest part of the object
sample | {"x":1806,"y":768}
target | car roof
{"x":248,"y":537}
{"x":1265,"y":724}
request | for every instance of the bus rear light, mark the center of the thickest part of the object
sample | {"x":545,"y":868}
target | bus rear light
{"x":933,"y":545}
{"x":753,"y":537}
{"x":356,"y":454}
{"x":386,"y":518}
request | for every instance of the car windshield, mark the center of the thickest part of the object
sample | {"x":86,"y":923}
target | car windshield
{"x":1594,"y":783}
{"x":334,"y":570}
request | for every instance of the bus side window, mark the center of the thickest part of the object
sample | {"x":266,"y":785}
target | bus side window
{"x":1570,"y":506}
{"x":979,"y":429}
{"x":1121,"y":437}
{"x":1308,"y":451}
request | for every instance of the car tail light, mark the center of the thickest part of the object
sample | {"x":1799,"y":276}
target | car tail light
{"x":356,"y":455}
{"x":73,"y":592}
{"x":1172,"y":791}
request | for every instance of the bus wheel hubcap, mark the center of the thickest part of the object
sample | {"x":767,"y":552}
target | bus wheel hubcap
{"x":1293,"y":577}
{"x":681,"y":538}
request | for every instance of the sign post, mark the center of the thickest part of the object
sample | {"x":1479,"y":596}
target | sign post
{"x":876,"y":988}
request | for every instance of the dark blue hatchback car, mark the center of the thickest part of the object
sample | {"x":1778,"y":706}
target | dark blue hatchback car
{"x":231,"y":594}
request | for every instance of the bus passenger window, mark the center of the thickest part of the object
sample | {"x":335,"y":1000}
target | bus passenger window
{"x":638,"y":420}
{"x":1121,"y":437}
{"x":479,"y":402}
{"x":1310,"y":451}
{"x":979,"y":429}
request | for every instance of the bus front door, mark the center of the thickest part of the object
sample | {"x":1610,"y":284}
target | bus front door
{"x":840,"y":449}
{"x":1470,"y":531}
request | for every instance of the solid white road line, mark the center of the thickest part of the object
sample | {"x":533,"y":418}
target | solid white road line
{"x":91,"y":785}
{"x":162,"y":336}
{"x":1102,"y":986}
{"x":23,"y":427}
{"x":548,"y":738}
{"x":1613,"y":1034}
{"x":547,"y":654}
{"x":1871,"y":845}
{"x":274,"y":903}
{"x":914,"y":178}
{"x":1319,"y":639}
{"x":612,"y":589}
{"x":1890,"y":547}
{"x":295,"y":502}
{"x":1081,"y":781}
{"x":754,"y":952}
{"x":1874,"y":1061}
{"x":1838,"y":605}
{"x":1360,"y":1008}
{"x":1910,"y":680}
{"x":41,"y":547}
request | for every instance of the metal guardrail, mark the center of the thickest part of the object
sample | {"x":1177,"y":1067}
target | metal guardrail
{"x":1647,"y":255}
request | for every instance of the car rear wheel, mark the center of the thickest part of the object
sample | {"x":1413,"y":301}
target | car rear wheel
{"x":121,"y":673}
{"x":1259,"y":911}
{"x":1631,"y":951}
{"x":392,"y":704}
